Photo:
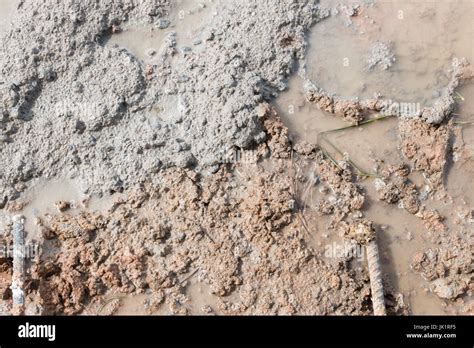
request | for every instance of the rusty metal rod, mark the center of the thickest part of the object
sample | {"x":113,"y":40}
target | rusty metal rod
{"x":18,"y":234}
{"x":375,"y":274}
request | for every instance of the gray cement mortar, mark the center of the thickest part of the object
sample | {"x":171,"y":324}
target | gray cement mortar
{"x":73,"y":107}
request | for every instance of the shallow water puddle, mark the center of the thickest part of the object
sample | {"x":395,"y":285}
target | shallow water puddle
{"x":104,"y":203}
{"x":186,"y":19}
{"x":461,"y":170}
{"x":365,"y":145}
{"x":150,"y":40}
{"x":198,"y":295}
{"x":42,"y":197}
{"x":459,"y":182}
{"x":400,"y":236}
{"x":362,"y":145}
{"x":464,"y":117}
{"x":189,"y":17}
{"x":201,"y":297}
{"x":425,"y":36}
{"x":301,"y":117}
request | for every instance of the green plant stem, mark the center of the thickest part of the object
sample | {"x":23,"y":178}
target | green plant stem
{"x":322,"y":137}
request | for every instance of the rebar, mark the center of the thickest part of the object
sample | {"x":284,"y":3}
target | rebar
{"x":375,"y":274}
{"x":18,"y":278}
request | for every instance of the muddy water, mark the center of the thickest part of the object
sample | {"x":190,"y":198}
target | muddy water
{"x":189,"y":17}
{"x":425,"y":36}
{"x":363,"y":145}
{"x":186,"y":19}
{"x":42,"y":196}
{"x":150,"y":41}
{"x":461,"y":171}
{"x":402,"y":233}
{"x":400,"y":236}
{"x":41,"y":200}
{"x":305,"y":120}
{"x":198,"y":294}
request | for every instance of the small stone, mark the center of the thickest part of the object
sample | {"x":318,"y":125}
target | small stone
{"x":163,"y":23}
{"x":62,"y":206}
{"x":116,"y":29}
{"x":46,"y":74}
{"x":151,"y":52}
{"x":442,"y":289}
{"x":207,"y":309}
{"x":47,"y":233}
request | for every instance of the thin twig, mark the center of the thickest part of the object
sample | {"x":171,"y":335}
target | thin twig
{"x":188,"y":277}
{"x":464,"y":123}
{"x":108,"y":301}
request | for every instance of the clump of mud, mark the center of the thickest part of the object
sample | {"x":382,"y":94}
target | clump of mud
{"x":236,"y":231}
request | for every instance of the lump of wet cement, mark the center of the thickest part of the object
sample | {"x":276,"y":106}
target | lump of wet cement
{"x":443,"y":107}
{"x":73,"y":105}
{"x":381,"y":56}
